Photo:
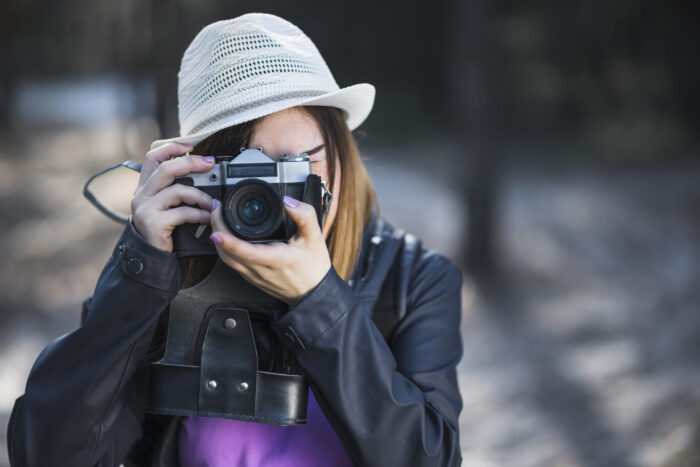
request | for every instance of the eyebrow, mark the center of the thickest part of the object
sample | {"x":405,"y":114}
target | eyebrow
{"x":314,"y":150}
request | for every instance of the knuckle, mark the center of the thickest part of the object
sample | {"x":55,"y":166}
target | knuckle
{"x":195,"y":215}
{"x":151,"y":155}
{"x":137,"y":212}
{"x":189,"y":213}
{"x":203,"y":197}
{"x":171,"y":148}
{"x":178,"y":216}
{"x":179,"y":190}
{"x":200,"y":214}
{"x":167,"y":167}
{"x":208,"y":201}
{"x":167,"y":197}
{"x":196,"y":194}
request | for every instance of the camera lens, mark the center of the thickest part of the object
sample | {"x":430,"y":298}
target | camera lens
{"x":253,"y":210}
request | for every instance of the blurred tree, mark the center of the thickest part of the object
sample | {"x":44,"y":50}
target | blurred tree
{"x":471,"y":67}
{"x":616,"y":79}
{"x":166,"y":42}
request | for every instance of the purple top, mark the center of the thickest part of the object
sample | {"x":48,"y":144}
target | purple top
{"x":218,"y":442}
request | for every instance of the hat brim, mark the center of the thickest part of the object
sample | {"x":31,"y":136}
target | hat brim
{"x":356,"y":101}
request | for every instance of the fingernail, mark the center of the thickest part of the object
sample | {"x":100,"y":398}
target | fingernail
{"x":216,"y":238}
{"x":209,"y":159}
{"x":289,"y":201}
{"x":214,"y":203}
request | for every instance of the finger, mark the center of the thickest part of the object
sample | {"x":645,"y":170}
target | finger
{"x":249,"y":253}
{"x":250,"y":274}
{"x":184,"y":214}
{"x":235,"y":264}
{"x":165,"y":173}
{"x":160,"y":154}
{"x":304,"y":216}
{"x":178,"y":193}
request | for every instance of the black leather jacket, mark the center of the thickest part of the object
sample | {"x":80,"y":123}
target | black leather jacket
{"x":392,"y":401}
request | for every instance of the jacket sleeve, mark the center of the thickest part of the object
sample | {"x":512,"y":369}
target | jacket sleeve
{"x":74,"y":411}
{"x":391,"y":405}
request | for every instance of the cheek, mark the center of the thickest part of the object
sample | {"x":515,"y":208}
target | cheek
{"x":321,"y":169}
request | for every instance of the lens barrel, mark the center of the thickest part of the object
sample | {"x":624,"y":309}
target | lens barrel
{"x":253,"y":209}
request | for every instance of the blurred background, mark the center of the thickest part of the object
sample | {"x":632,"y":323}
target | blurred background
{"x":550,"y":149}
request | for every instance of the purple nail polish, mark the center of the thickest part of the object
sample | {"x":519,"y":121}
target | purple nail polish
{"x":216,"y":238}
{"x":289,"y":201}
{"x":214,"y":203}
{"x":209,"y":159}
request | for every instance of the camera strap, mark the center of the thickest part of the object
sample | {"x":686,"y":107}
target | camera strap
{"x":112,"y":214}
{"x":223,"y":360}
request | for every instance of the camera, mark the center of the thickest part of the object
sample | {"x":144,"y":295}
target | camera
{"x":250,"y":187}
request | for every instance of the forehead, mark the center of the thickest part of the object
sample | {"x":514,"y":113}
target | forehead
{"x":288,"y":131}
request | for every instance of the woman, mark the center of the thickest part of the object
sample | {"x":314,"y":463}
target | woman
{"x":372,"y":318}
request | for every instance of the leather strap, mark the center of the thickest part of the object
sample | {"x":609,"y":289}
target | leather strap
{"x":226,"y":383}
{"x":228,"y":364}
{"x":281,"y":398}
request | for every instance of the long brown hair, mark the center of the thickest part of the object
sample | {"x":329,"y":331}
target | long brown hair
{"x":356,"y":197}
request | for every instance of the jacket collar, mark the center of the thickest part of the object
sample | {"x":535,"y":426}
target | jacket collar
{"x":380,"y":244}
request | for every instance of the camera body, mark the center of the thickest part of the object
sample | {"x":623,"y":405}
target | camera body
{"x":250,"y":187}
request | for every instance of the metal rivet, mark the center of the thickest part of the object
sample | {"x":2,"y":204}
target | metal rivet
{"x":212,"y":177}
{"x":243,"y":386}
{"x":211,"y":384}
{"x":134,"y":265}
{"x":229,"y":323}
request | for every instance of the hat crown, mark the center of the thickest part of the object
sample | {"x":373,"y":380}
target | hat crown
{"x":250,"y":66}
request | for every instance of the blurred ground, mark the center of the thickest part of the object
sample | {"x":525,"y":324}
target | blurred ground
{"x":581,"y":352}
{"x":585,"y":352}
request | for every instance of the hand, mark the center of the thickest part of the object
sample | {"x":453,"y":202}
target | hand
{"x":152,"y":210}
{"x":287,"y":271}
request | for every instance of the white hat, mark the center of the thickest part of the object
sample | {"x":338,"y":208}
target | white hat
{"x":244,"y":68}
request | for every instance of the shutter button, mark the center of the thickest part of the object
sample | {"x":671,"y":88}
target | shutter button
{"x":134,"y":266}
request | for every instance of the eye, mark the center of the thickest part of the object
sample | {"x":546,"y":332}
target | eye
{"x":318,"y":156}
{"x":315,"y":150}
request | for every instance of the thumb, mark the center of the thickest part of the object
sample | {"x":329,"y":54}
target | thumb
{"x":304,"y":216}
